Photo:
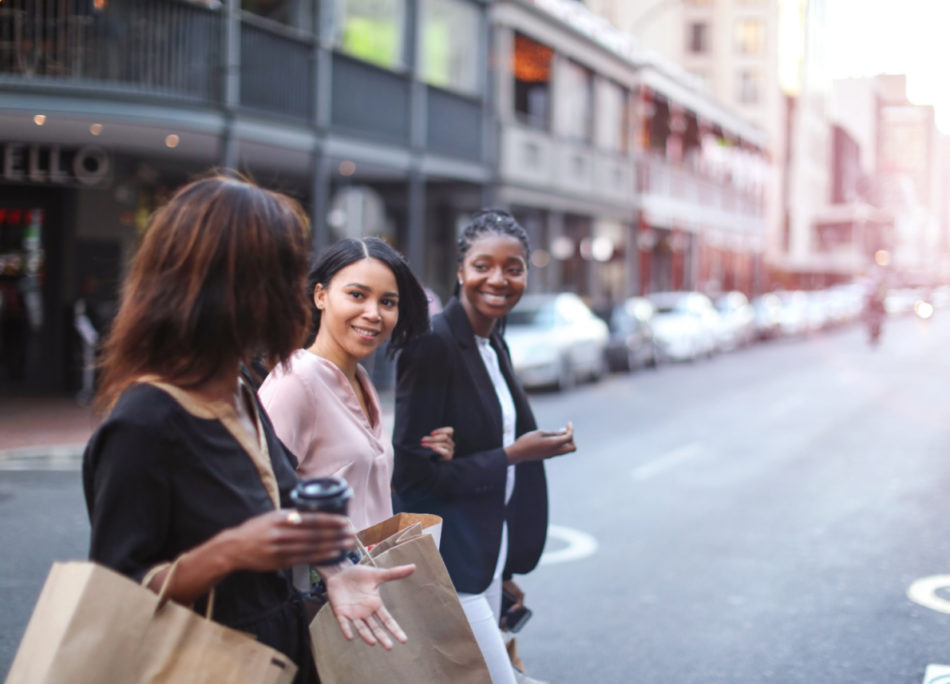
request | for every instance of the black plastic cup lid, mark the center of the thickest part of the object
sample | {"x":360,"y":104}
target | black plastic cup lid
{"x":321,"y":488}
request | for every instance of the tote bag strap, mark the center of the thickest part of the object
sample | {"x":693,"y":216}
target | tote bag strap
{"x":257,"y":449}
{"x":166,"y":583}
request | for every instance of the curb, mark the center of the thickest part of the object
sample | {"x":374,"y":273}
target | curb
{"x":50,"y":457}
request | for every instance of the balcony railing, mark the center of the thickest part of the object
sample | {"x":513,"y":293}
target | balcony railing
{"x":277,"y":69}
{"x":656,"y":176}
{"x":157,"y":46}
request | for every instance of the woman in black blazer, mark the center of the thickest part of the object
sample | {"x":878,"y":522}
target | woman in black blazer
{"x":492,"y":494}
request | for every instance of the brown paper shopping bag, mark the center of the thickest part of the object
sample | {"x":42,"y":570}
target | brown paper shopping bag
{"x":92,"y":625}
{"x":441,"y":648}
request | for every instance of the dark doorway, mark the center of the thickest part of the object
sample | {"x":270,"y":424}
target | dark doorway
{"x":33,"y":234}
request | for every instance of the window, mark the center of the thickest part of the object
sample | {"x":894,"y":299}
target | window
{"x":296,"y":13}
{"x":372,"y":30}
{"x":611,"y":114}
{"x":748,"y":87}
{"x":750,"y":37}
{"x":576,"y":98}
{"x":697,"y":37}
{"x":531,"y":66}
{"x":702,"y":80}
{"x":449,"y":49}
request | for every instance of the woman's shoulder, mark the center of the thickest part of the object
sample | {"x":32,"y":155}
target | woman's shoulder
{"x":432,"y":343}
{"x":145,"y":421}
{"x":143,"y":403}
{"x":305,"y":377}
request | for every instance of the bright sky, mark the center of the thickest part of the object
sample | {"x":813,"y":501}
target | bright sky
{"x":869,"y":37}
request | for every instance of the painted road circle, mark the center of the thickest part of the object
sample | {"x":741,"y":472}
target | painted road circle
{"x":578,"y":545}
{"x":924,"y":592}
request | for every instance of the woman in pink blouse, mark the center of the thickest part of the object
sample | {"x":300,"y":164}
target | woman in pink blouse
{"x":321,"y":402}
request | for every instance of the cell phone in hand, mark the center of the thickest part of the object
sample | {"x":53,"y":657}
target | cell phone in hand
{"x":513,"y":619}
{"x":554,"y":433}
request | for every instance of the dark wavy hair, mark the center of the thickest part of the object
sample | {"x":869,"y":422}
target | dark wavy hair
{"x":218,"y":280}
{"x":413,"y":302}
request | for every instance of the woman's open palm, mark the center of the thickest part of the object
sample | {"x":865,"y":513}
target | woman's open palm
{"x":354,"y":597}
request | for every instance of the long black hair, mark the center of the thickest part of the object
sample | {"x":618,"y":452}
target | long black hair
{"x":413,"y":303}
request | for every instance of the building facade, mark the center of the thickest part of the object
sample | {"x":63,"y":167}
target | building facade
{"x":631,"y":177}
{"x":373,"y":113}
{"x":396,"y":118}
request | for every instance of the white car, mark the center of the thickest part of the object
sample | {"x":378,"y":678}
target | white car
{"x":738,"y":320}
{"x":795,"y":315}
{"x":556,"y":340}
{"x":685,"y":325}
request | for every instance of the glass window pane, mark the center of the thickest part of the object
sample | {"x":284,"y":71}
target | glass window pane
{"x":372,"y":30}
{"x":697,"y":37}
{"x":449,"y":50}
{"x":531,"y":66}
{"x":748,"y":87}
{"x":576,"y":99}
{"x":750,"y":37}
{"x":611,"y":114}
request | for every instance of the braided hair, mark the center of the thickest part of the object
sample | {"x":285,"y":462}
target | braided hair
{"x":492,"y":222}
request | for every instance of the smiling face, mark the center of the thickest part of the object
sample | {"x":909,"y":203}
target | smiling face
{"x":359,"y":309}
{"x":493,"y":277}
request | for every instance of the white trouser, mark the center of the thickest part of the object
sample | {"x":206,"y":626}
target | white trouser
{"x":483,"y":612}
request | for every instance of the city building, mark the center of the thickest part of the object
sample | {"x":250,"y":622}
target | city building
{"x":910,"y":179}
{"x":629,"y":175}
{"x":764,"y":59}
{"x":373,"y":113}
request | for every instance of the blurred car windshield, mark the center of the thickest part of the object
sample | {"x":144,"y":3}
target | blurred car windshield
{"x":542,"y":316}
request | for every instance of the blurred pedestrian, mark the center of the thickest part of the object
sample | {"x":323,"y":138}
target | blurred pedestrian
{"x":186,"y":467}
{"x":87,"y":325}
{"x":492,"y":494}
{"x":874,"y":307}
{"x":322,"y":403}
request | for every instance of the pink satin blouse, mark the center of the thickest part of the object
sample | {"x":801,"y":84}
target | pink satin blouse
{"x":318,"y":416}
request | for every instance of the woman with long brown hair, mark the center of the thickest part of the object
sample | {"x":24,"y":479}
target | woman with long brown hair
{"x":186,"y":468}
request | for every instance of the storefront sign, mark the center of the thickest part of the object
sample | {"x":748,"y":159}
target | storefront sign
{"x":87,"y":166}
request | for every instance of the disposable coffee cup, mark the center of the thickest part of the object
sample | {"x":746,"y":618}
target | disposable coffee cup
{"x":320,"y":495}
{"x":323,"y":494}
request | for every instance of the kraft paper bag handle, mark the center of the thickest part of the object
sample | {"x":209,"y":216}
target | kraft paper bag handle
{"x":166,"y":583}
{"x":366,"y":553}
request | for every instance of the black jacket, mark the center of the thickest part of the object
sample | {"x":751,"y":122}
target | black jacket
{"x":443,"y":381}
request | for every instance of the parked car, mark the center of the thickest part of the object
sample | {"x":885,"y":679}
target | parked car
{"x":901,"y":300}
{"x":556,"y":340}
{"x":631,"y":344}
{"x":737,"y":320}
{"x":818,"y":310}
{"x":795,"y":315}
{"x":685,"y":325}
{"x":767,"y":310}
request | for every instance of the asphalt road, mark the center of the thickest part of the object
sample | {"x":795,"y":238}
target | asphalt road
{"x":754,"y":518}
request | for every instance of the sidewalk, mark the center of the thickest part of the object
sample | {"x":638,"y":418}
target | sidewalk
{"x":56,"y":428}
{"x":49,"y":427}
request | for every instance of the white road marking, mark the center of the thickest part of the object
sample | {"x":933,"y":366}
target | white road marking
{"x":579,"y":545}
{"x":668,"y":461}
{"x":937,"y":674}
{"x":924,"y":592}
